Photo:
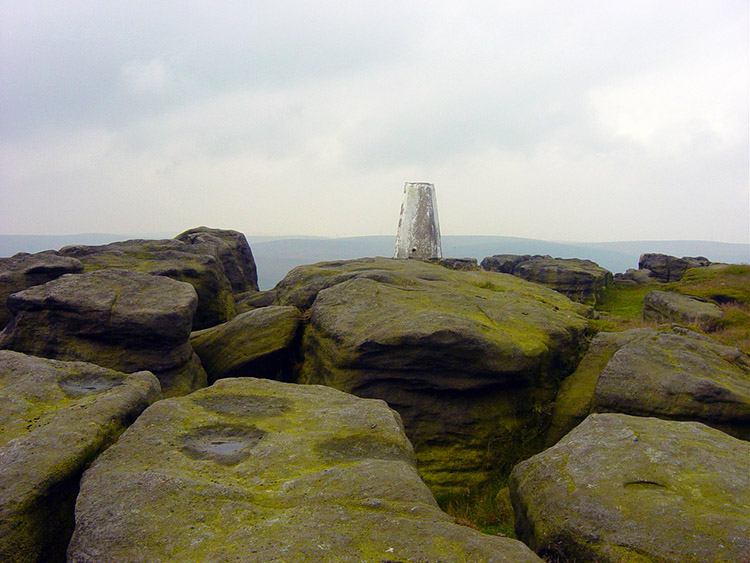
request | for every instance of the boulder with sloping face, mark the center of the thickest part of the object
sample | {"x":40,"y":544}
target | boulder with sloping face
{"x":23,"y":270}
{"x":258,"y":343}
{"x":470,"y":360}
{"x":261,"y":471}
{"x":623,"y":488}
{"x":55,"y":418}
{"x":657,"y":373}
{"x":666,"y":268}
{"x":505,"y":263}
{"x":580,"y":280}
{"x":118,"y":319}
{"x":232,"y":251}
{"x":168,"y":258}
{"x":669,"y":307}
{"x":632,"y":277}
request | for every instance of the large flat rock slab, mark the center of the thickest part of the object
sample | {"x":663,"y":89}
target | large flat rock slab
{"x":175,"y":259}
{"x":670,"y":307}
{"x":470,"y":360}
{"x":580,"y":280}
{"x":621,"y":488}
{"x":680,"y":376}
{"x":258,"y":470}
{"x":55,"y":418}
{"x":123,"y":320}
{"x":24,"y":270}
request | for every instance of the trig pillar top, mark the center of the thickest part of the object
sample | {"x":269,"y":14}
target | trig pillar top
{"x":418,"y":234}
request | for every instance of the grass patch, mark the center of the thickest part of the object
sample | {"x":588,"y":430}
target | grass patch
{"x":722,"y":284}
{"x":727,"y":285}
{"x":486,"y":509}
{"x":735,"y":327}
{"x":624,"y":302}
{"x":621,"y":308}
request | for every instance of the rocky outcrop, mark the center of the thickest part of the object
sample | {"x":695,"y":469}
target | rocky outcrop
{"x":580,"y":280}
{"x":652,"y":373}
{"x":667,"y":268}
{"x":257,"y":470}
{"x":232,"y":251}
{"x":469,"y":359}
{"x":173,"y":259}
{"x":22,"y":271}
{"x":463,"y":264}
{"x":118,"y":319}
{"x":633,"y":277}
{"x":254,"y":300}
{"x":505,"y":263}
{"x":55,"y":417}
{"x":669,"y":307}
{"x":620,"y":488}
{"x":259,"y":343}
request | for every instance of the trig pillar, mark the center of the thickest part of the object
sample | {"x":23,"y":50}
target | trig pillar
{"x":418,"y":234}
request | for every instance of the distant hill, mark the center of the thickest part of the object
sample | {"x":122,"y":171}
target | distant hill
{"x":275,"y":257}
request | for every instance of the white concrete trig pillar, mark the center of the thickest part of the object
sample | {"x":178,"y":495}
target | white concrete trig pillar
{"x":418,"y":234}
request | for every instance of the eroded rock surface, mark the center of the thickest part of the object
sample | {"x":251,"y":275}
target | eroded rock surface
{"x":621,"y":488}
{"x":579,"y":280}
{"x":232,"y":251}
{"x":118,"y":319}
{"x":657,"y":373}
{"x":666,"y":268}
{"x":55,"y":418}
{"x":257,"y":470}
{"x":670,"y":307}
{"x":193,"y":264}
{"x":470,"y":360}
{"x":23,"y":270}
{"x":259,"y":343}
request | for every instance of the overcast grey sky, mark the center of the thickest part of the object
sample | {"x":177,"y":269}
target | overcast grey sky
{"x":587,"y":120}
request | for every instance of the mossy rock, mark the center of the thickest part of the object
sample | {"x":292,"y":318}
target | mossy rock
{"x":23,"y":270}
{"x":55,"y":418}
{"x":258,"y":343}
{"x":580,"y":280}
{"x":173,"y":259}
{"x":470,"y":360}
{"x":232,"y":251}
{"x":668,"y":307}
{"x":119,"y":319}
{"x":666,"y":268}
{"x":258,"y":470}
{"x":622,"y":488}
{"x":250,"y":300}
{"x":672,"y":375}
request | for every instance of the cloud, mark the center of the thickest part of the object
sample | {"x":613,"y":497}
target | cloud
{"x":145,"y":78}
{"x":533,"y":119}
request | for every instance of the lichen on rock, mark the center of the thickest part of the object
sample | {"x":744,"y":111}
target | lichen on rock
{"x":123,"y":320}
{"x":469,"y":359}
{"x":55,"y":418}
{"x":258,"y":470}
{"x":622,"y":488}
{"x":681,"y":376}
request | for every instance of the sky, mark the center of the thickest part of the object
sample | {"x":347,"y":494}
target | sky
{"x":576,"y":120}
